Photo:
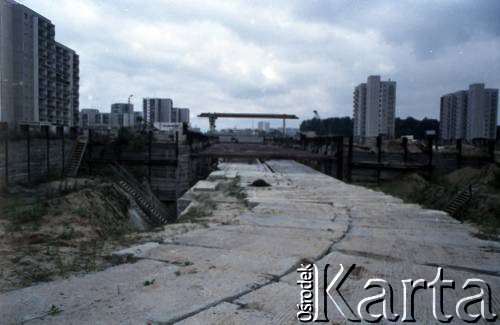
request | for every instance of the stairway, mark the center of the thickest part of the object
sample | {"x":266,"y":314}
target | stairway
{"x":76,"y":157}
{"x":154,"y":209}
{"x":459,"y":201}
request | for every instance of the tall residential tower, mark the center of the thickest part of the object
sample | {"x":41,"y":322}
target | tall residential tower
{"x":374,"y":108}
{"x":469,"y":114}
{"x":161,"y":110}
{"x":39,"y":77}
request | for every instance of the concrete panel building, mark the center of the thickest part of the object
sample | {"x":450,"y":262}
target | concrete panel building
{"x":482,"y":110}
{"x":374,"y":108}
{"x":161,"y":110}
{"x":263,"y":126}
{"x":157,"y":110}
{"x":122,"y":115}
{"x":453,"y":115}
{"x":182,"y":115}
{"x":469,"y":114}
{"x":91,"y":118}
{"x":39,"y":77}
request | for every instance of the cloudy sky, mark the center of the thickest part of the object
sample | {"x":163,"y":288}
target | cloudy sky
{"x":279,"y":56}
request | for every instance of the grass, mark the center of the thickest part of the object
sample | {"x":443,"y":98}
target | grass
{"x":37,"y":275}
{"x":22,"y":211}
{"x":233,"y":188}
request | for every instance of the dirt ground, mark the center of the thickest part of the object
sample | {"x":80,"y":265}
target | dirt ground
{"x":59,"y":229}
{"x":484,"y":208}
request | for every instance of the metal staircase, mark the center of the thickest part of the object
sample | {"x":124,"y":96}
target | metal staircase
{"x":154,"y":209}
{"x":77,"y":157}
{"x":460,"y":201}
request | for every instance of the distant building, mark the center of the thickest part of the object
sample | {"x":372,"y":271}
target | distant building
{"x":263,"y":126}
{"x":374,"y":106}
{"x":182,"y":115}
{"x":482,"y":110}
{"x":161,"y":110}
{"x":39,"y":77}
{"x":138,"y":118}
{"x":469,"y":114}
{"x":157,"y":110}
{"x":91,"y":118}
{"x":453,"y":117}
{"x":122,"y":115}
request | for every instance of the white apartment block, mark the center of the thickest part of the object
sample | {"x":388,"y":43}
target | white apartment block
{"x":161,"y":110}
{"x":453,"y":118}
{"x":122,"y":115}
{"x":469,"y":114}
{"x":482,"y":110}
{"x":39,"y":78}
{"x":374,"y":104}
{"x":263,"y":126}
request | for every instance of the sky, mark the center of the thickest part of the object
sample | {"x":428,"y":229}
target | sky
{"x":280,"y":56}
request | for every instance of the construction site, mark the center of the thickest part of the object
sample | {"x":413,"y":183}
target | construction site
{"x":110,"y":228}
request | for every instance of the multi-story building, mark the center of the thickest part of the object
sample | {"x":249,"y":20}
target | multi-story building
{"x":182,"y":115}
{"x":482,"y":110}
{"x":263,"y":126}
{"x":91,"y":118}
{"x":161,"y":110}
{"x":453,"y":116}
{"x":157,"y":110}
{"x":39,"y":77}
{"x":469,"y":114}
{"x":374,"y":108}
{"x":122,"y":115}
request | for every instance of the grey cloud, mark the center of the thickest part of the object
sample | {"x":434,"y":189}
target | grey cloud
{"x":282,"y":56}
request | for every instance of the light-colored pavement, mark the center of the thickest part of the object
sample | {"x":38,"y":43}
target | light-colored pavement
{"x":245,"y":271}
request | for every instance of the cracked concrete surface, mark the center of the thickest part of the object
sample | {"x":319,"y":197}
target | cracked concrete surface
{"x":245,"y":272}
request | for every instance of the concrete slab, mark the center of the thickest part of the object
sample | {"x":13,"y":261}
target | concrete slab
{"x":131,"y":253}
{"x":244,"y":271}
{"x":205,"y":186}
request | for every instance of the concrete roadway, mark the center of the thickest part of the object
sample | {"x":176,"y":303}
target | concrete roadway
{"x":245,"y":272}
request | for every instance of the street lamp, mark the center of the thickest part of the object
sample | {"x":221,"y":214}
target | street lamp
{"x":130,"y":112}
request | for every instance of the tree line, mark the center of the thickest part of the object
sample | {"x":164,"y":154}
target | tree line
{"x":344,"y":126}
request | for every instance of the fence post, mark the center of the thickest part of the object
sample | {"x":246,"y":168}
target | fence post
{"x":405,"y":150}
{"x":4,"y":130}
{"x":430,"y":140}
{"x":491,"y":149}
{"x":60,"y":131}
{"x":89,"y":150}
{"x":28,"y":150}
{"x":379,"y":149}
{"x":177,"y":145}
{"x":47,"y":139}
{"x":349,"y":159}
{"x":459,"y":153}
{"x":150,"y":153}
{"x":340,"y":158}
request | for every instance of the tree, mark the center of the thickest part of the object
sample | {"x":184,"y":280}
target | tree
{"x":344,"y":126}
{"x":329,"y":126}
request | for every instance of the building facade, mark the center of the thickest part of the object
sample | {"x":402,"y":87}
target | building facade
{"x":122,"y":115}
{"x":91,"y":118}
{"x":182,"y":115}
{"x":469,"y":114}
{"x":263,"y":126}
{"x":453,"y":115}
{"x":374,"y":108}
{"x":482,"y":110}
{"x":39,"y":76}
{"x":157,"y":110}
{"x":161,"y":110}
